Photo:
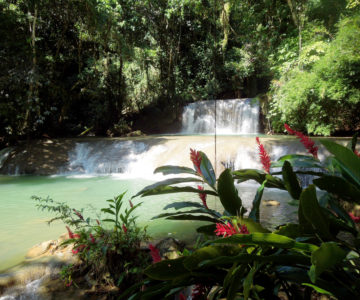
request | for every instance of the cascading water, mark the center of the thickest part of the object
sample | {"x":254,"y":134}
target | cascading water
{"x":236,"y":116}
{"x":4,"y":153}
{"x":115,"y":157}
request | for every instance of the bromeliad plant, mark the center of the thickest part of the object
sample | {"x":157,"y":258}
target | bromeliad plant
{"x":109,"y":249}
{"x":317,"y":255}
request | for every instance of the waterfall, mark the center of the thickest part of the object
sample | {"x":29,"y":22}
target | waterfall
{"x":236,"y":116}
{"x":139,"y":157}
{"x":129,"y":157}
{"x":4,"y":153}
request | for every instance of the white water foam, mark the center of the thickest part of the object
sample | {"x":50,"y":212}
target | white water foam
{"x":122,"y":159}
{"x":236,"y":116}
{"x":4,"y":154}
{"x":27,"y":292}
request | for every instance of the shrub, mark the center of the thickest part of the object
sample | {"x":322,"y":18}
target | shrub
{"x":322,"y":94}
{"x":109,"y":249}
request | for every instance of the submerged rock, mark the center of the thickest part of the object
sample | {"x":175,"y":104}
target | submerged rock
{"x":272,"y":203}
{"x":169,"y":247}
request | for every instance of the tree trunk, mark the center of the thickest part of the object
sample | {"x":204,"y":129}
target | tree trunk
{"x":33,"y":84}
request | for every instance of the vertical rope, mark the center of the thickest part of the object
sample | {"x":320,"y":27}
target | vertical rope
{"x":215,"y":135}
{"x":214,"y":82}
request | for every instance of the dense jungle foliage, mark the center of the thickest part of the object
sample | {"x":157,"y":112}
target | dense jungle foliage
{"x":73,"y":65}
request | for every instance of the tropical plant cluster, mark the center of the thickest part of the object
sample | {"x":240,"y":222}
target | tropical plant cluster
{"x":316,"y":255}
{"x":111,"y":250}
{"x":72,"y":67}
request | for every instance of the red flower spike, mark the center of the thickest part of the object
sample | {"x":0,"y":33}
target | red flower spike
{"x":199,"y":292}
{"x":124,"y":228}
{"x":71,"y":234}
{"x":155,"y":254}
{"x":308,"y":143}
{"x":288,"y":129}
{"x":131,"y":204}
{"x":225,"y":230}
{"x":357,"y":153}
{"x":243,"y":229}
{"x":69,"y":283}
{"x":92,"y":238}
{"x":78,"y":214}
{"x":80,"y":248}
{"x":228,"y":229}
{"x":202,"y":196}
{"x":195,"y":157}
{"x":182,"y":297}
{"x":355,"y":219}
{"x":264,"y":157}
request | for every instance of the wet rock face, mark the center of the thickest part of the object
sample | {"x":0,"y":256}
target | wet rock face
{"x":54,"y":249}
{"x":40,"y":157}
{"x":169,"y":248}
{"x":43,"y":262}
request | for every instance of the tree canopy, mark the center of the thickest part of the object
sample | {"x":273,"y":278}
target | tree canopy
{"x":72,"y":65}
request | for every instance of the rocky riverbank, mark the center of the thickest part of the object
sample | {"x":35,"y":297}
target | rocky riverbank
{"x":39,"y":276}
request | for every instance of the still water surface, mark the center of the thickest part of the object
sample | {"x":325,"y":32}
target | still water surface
{"x":22,"y":225}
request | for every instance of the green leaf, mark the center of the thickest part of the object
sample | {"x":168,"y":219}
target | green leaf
{"x":255,"y":211}
{"x":184,"y":204}
{"x":299,"y":275}
{"x":291,"y":181}
{"x":327,"y":256}
{"x":318,"y":289}
{"x":194,"y":211}
{"x":159,"y":185}
{"x":193,"y":218}
{"x":175,"y":189}
{"x":248,"y":282}
{"x":348,"y":160}
{"x":108,"y":210}
{"x":244,"y":258}
{"x":228,"y":193}
{"x":252,"y":226}
{"x":337,"y":224}
{"x":338,"y":186}
{"x":289,"y":230}
{"x":207,"y":229}
{"x":334,"y":205}
{"x":167,"y":269}
{"x":235,"y":276}
{"x":312,"y":212}
{"x":267,"y":239}
{"x":297,"y":161}
{"x":166,"y":170}
{"x":258,"y":176}
{"x":352,"y":143}
{"x":109,"y":220}
{"x":206,"y":253}
{"x":304,"y":225}
{"x":207,"y":170}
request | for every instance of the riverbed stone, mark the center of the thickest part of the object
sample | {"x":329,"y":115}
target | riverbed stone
{"x":272,"y":203}
{"x":40,"y":249}
{"x":170,"y":248}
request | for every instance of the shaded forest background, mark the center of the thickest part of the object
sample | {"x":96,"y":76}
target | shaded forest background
{"x":100,"y":66}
